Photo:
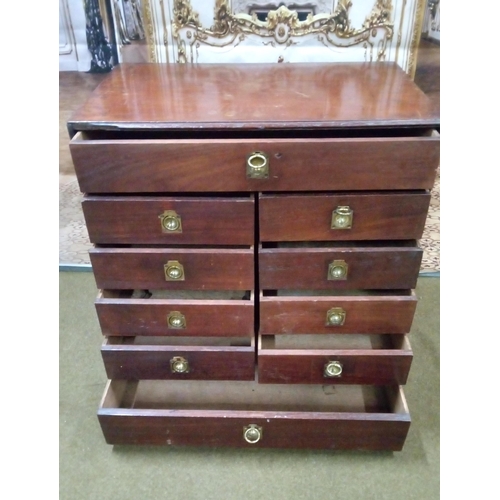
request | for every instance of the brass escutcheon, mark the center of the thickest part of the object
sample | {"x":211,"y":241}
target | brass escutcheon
{"x":174,"y":271}
{"x":257,"y":165}
{"x":342,"y":218}
{"x":170,"y":222}
{"x":335,"y":316}
{"x":333,"y":369}
{"x":337,"y":270}
{"x":176,"y":320}
{"x":252,"y":433}
{"x":178,"y":364}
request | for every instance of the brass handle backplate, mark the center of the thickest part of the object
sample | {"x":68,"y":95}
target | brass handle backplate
{"x":170,"y":222}
{"x":337,"y":270}
{"x":333,"y":369}
{"x":178,"y":364}
{"x":342,"y":218}
{"x":174,"y":271}
{"x":252,"y":433}
{"x":176,"y":320}
{"x":335,"y":316}
{"x":257,"y":165}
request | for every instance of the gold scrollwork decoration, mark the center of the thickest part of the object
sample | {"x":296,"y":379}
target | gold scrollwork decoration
{"x":281,"y":27}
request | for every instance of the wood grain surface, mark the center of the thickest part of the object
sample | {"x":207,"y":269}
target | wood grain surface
{"x":136,"y":220}
{"x":143,"y":268}
{"x":173,"y":96}
{"x":307,"y":217}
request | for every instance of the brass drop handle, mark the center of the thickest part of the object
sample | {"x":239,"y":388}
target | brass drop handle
{"x":333,"y":369}
{"x":171,"y":222}
{"x":176,"y":320}
{"x":342,"y":218}
{"x":174,"y":271}
{"x":337,"y":270}
{"x":178,"y":364}
{"x":252,"y":433}
{"x":257,"y":165}
{"x":335,"y":316}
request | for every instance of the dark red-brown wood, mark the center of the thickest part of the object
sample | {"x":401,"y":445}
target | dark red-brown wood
{"x":180,"y":425}
{"x":364,"y":314}
{"x":390,"y":365}
{"x":145,"y":362}
{"x":246,"y":96}
{"x":375,"y":216}
{"x":197,"y":165}
{"x":214,"y":318}
{"x":143,"y":268}
{"x":135,"y":220}
{"x":373,"y":268}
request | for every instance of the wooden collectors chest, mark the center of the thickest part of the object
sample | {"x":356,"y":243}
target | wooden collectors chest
{"x":255,"y":237}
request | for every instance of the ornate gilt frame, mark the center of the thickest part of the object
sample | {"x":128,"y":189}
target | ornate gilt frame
{"x":281,"y":28}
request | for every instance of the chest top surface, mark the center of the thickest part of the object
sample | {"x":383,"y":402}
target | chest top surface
{"x":255,"y":96}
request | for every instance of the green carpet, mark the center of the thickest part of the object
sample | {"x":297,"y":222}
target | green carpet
{"x":91,"y":469}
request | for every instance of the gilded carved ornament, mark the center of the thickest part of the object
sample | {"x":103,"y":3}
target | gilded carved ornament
{"x":281,"y":27}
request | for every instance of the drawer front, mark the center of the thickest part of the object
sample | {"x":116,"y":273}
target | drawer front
{"x":149,"y":166}
{"x":365,"y":314}
{"x":187,"y":269}
{"x":160,"y":362}
{"x":369,"y":428}
{"x":393,"y":216}
{"x":339,"y":268}
{"x":213,"y":318}
{"x":339,"y":366}
{"x":162,"y":220}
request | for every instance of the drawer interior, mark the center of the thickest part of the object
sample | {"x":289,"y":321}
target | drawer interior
{"x":214,"y":134}
{"x":334,"y":245}
{"x":337,"y":293}
{"x":337,"y":342}
{"x":251,"y":396}
{"x":143,"y":340}
{"x":153,"y":295}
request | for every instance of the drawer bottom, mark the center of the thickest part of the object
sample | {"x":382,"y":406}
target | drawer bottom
{"x":240,"y":414}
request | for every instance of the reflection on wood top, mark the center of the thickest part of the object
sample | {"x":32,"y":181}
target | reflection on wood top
{"x":253,"y":96}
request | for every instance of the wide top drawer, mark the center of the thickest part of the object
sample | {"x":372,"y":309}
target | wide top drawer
{"x":166,"y":162}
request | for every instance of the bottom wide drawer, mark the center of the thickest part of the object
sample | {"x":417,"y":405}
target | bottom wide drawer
{"x":245,"y":414}
{"x":179,"y":358}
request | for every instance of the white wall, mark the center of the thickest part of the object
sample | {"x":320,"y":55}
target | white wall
{"x":74,"y":54}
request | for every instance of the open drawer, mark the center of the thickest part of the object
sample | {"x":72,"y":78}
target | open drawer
{"x":339,"y":265}
{"x":180,"y":314}
{"x":336,"y":359}
{"x":148,"y":162}
{"x":170,"y":220}
{"x":179,"y":358}
{"x":173,"y":268}
{"x":391,"y":215}
{"x":337,"y":311}
{"x":246,"y":414}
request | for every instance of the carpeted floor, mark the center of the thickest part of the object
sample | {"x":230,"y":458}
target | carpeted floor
{"x":91,"y":469}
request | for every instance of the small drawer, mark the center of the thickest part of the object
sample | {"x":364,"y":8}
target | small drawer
{"x":163,"y":312}
{"x":343,"y":217}
{"x":248,"y":414}
{"x":173,"y":269}
{"x":169,"y":221}
{"x":339,"y":266}
{"x":179,"y":358}
{"x":368,"y":312}
{"x":334,"y":359}
{"x":142,"y":162}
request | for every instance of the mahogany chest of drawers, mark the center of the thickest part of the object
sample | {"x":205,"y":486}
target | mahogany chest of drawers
{"x":255,"y":233}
